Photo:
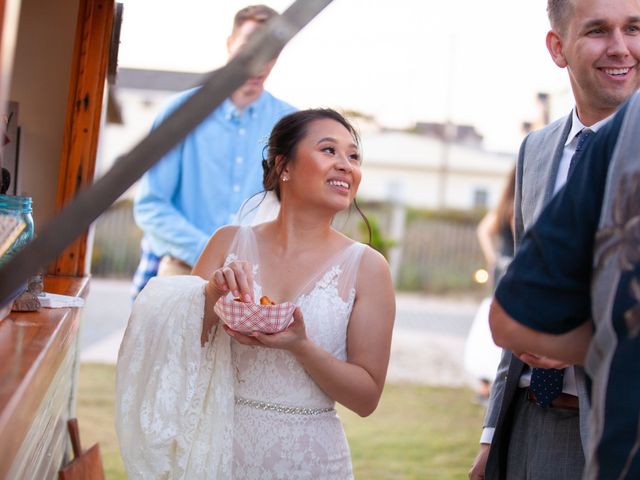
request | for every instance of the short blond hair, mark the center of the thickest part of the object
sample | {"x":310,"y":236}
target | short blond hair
{"x":559,"y":12}
{"x":254,"y":13}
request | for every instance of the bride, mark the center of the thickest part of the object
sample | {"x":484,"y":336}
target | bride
{"x":196,"y":399}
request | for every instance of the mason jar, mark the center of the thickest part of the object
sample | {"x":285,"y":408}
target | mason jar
{"x":20,"y":207}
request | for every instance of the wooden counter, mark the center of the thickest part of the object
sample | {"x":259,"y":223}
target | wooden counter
{"x":39,"y":357}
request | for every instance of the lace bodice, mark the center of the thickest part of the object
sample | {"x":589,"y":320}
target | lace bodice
{"x":275,"y":377}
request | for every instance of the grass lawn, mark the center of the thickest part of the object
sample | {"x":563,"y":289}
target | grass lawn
{"x":417,"y":432}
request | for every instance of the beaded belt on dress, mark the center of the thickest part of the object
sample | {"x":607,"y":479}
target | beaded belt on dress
{"x":274,"y":407}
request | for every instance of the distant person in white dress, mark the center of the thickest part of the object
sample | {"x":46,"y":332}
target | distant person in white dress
{"x":198,"y":400}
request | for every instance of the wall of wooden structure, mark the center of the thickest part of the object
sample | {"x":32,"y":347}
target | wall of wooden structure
{"x":58,"y":78}
{"x":40,"y":85}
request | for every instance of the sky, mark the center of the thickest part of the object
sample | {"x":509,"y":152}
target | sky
{"x":467,"y":61}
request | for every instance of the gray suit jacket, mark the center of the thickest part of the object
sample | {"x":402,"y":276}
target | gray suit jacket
{"x":536,"y":171}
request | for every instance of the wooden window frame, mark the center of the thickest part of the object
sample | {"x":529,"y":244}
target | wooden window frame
{"x":83,"y":119}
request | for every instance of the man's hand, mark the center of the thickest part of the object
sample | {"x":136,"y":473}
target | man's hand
{"x":480,"y":463}
{"x":538,"y":361}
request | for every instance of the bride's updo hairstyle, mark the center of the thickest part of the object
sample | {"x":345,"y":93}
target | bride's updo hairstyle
{"x":284,"y":139}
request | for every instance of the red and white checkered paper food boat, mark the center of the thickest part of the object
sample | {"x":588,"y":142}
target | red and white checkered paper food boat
{"x":251,"y":317}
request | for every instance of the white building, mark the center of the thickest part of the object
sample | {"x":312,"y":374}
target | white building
{"x":427,"y":172}
{"x":420,"y":170}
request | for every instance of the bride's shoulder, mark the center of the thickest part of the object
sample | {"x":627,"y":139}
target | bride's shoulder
{"x":369,"y":262}
{"x":373,"y":260}
{"x":215,"y":251}
{"x":373,"y":266}
{"x":369,"y":259}
{"x":222,"y":238}
{"x":226,"y":233}
{"x":374,"y":275}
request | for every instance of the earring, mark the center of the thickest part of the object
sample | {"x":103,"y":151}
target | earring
{"x":285,"y":178}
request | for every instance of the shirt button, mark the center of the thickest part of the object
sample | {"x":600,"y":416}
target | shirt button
{"x":239,"y":160}
{"x":236,"y":188}
{"x":241,"y":131}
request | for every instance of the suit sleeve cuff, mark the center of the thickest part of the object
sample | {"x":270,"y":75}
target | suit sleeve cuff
{"x":487,"y":435}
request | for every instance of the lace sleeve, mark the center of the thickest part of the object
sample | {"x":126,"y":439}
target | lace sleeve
{"x":174,"y":398}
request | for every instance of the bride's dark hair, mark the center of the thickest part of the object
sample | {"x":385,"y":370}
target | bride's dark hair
{"x":284,"y":139}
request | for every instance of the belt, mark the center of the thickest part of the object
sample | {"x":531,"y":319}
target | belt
{"x":564,"y":400}
{"x":275,"y":407}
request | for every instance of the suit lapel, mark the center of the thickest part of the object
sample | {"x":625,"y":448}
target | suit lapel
{"x":543,"y":154}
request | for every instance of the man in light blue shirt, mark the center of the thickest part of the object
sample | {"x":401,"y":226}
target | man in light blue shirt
{"x":199,"y":186}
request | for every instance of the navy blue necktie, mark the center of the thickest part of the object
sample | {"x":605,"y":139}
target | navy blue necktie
{"x":546,"y":384}
{"x":584,"y":135}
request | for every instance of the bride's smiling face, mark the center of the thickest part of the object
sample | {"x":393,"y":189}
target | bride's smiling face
{"x":326,"y":168}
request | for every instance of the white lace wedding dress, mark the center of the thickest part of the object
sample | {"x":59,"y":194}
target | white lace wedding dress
{"x":228,"y":410}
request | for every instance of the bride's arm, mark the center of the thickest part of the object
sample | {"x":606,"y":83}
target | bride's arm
{"x":235,"y":277}
{"x":357,"y":383}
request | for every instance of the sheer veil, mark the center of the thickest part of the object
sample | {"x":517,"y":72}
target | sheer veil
{"x":260,"y":208}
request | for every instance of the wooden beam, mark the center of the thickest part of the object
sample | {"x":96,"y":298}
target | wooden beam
{"x":82,"y":127}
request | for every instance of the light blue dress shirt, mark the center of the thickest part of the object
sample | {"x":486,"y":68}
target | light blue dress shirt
{"x":199,"y":186}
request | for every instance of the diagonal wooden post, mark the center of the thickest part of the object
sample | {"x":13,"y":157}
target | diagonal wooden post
{"x":91,"y":202}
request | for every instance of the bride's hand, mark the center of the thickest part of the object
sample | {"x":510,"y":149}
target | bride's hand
{"x":236,"y":277}
{"x":292,"y":338}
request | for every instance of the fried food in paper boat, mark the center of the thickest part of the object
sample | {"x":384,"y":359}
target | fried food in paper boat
{"x":265,"y":316}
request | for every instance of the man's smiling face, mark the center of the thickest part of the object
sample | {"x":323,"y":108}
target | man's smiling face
{"x":600,"y":46}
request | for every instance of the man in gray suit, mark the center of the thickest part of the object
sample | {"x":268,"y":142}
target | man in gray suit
{"x":530,"y":432}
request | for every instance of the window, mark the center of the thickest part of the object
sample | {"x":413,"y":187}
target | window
{"x":480,"y":198}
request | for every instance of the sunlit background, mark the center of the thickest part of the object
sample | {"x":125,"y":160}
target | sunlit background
{"x":402,"y":61}
{"x":442,"y":92}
